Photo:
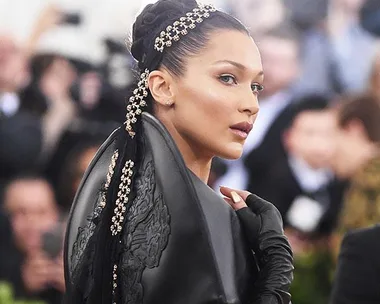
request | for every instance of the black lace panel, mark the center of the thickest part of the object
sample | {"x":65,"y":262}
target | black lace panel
{"x":83,"y":237}
{"x":146,"y":235}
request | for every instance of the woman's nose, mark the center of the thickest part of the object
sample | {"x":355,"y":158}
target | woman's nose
{"x":250,"y":104}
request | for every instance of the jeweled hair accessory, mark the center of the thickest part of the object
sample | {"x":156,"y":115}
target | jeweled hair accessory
{"x":181,"y":26}
{"x":136,"y":102}
{"x":111,"y":170}
{"x":122,"y":198}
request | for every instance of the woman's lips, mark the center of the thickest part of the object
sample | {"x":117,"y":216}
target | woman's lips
{"x":242,"y":129}
{"x":239,"y":133}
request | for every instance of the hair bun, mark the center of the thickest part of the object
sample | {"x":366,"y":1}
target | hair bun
{"x":153,"y":20}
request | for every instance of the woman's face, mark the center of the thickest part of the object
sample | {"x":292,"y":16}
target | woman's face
{"x":216,"y":100}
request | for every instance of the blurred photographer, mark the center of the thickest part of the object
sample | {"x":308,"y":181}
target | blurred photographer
{"x":35,"y":262}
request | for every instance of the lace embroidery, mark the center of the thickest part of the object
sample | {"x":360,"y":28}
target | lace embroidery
{"x":83,"y":236}
{"x":147,"y":233}
{"x":85,"y":233}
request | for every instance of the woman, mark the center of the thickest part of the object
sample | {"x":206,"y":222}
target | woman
{"x":158,"y":234}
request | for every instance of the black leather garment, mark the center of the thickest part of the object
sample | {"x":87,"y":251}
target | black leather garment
{"x":263,"y":227}
{"x":183,"y":243}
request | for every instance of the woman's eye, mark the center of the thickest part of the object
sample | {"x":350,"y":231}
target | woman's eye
{"x":257,"y":88}
{"x":228,"y":79}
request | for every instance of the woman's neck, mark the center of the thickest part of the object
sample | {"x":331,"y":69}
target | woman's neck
{"x":199,"y":164}
{"x":195,"y":159}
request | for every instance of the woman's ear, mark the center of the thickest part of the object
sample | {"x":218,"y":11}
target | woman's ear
{"x":161,"y":87}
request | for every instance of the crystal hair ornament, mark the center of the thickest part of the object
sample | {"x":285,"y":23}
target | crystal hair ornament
{"x":111,"y":169}
{"x":137,"y":102}
{"x":182,"y":26}
{"x":122,"y":198}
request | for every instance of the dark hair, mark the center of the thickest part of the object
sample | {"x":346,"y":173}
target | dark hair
{"x":33,"y":100}
{"x":148,"y":25}
{"x":40,"y":63}
{"x":366,"y":109}
{"x":24,"y":177}
{"x":308,"y":103}
{"x":285,"y":30}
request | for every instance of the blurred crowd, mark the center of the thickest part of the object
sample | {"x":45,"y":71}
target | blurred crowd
{"x":65,"y":75}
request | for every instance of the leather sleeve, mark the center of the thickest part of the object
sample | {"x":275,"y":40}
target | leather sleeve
{"x":262,"y":225}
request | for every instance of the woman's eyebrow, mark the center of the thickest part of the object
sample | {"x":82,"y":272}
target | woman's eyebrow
{"x":234,"y":63}
{"x":238,"y":65}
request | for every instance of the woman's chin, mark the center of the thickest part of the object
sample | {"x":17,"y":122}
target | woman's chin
{"x":232,"y":153}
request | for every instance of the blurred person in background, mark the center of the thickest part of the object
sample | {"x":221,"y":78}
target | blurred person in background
{"x":308,"y":196}
{"x":21,"y":145}
{"x":14,"y":60}
{"x":35,"y":262}
{"x":73,"y":168}
{"x":100,"y":90}
{"x":280,"y":52}
{"x":13,"y":75}
{"x":303,"y":188}
{"x":48,"y":96}
{"x":306,"y":14}
{"x":259,"y":16}
{"x":357,"y":159}
{"x":337,"y":54}
{"x":59,"y":170}
{"x":20,"y":132}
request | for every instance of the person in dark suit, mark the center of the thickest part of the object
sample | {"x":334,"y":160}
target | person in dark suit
{"x":306,"y":192}
{"x":357,"y":278}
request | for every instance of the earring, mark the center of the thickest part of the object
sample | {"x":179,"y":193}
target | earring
{"x":169,"y":103}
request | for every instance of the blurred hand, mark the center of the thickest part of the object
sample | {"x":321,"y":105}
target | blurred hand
{"x":49,"y":17}
{"x":37,"y":272}
{"x":57,"y":279}
{"x":90,"y":90}
{"x":57,"y":81}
